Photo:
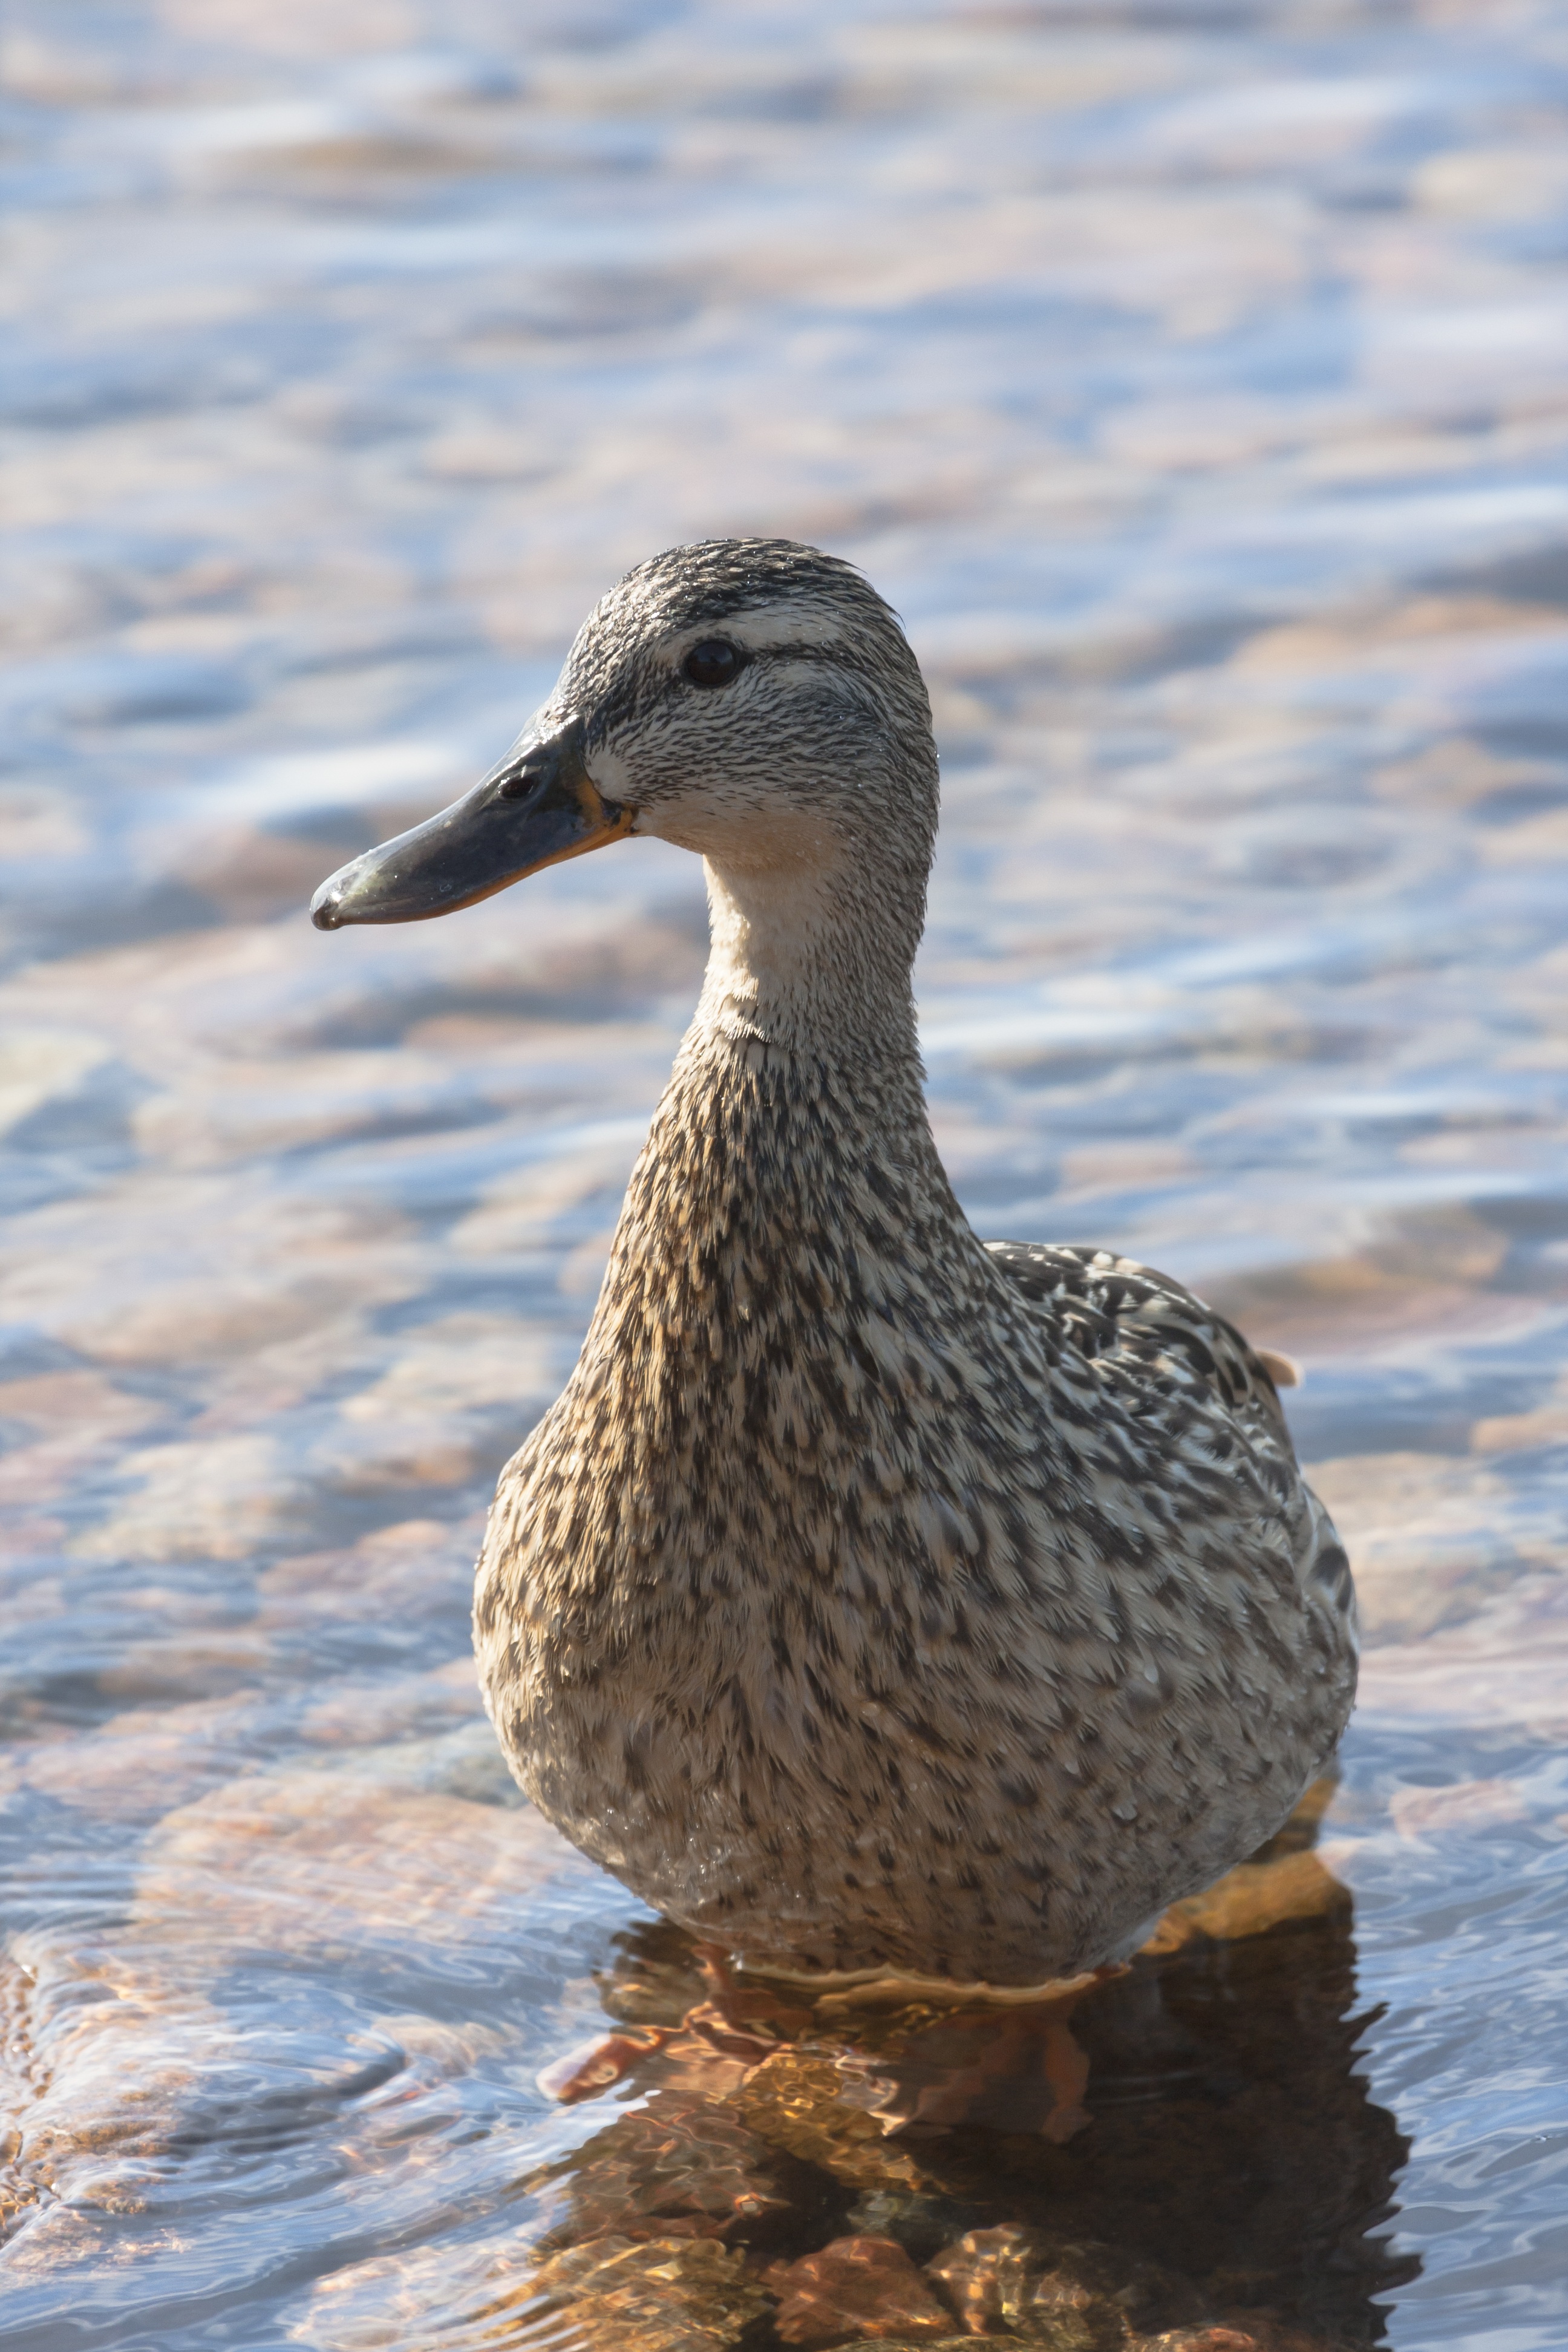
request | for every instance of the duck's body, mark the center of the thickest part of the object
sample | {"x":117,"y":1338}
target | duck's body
{"x":873,"y":1598}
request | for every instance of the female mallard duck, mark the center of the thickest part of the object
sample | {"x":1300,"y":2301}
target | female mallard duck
{"x":873,"y":1598}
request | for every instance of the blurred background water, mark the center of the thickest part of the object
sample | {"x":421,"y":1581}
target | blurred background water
{"x":1193,"y":375}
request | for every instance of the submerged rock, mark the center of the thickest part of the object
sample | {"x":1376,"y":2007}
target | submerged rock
{"x":1070,"y":2297}
{"x":986,"y":2275}
{"x":659,"y":2295}
{"x":917,"y":2223}
{"x":796,"y":2101}
{"x":855,"y":2287}
{"x":1251,"y":1899}
{"x":675,"y":2167}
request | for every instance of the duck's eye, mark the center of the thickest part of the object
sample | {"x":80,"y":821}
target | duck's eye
{"x":712,"y":662}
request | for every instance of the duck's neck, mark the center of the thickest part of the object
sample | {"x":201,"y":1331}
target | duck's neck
{"x":790,"y":1177}
{"x":813,"y":960}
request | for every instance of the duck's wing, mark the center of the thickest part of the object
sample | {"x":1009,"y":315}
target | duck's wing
{"x":1112,"y":1307}
{"x":1152,"y":1334}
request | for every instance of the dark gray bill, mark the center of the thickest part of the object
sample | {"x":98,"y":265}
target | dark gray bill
{"x":538,"y":807}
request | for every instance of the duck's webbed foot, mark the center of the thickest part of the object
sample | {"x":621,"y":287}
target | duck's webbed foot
{"x":1012,"y":2070}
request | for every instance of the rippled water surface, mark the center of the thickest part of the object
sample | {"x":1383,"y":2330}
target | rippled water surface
{"x":1195,"y":379}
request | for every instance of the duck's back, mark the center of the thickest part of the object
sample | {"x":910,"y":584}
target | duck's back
{"x":1173,"y":1357}
{"x":1113,"y":1307}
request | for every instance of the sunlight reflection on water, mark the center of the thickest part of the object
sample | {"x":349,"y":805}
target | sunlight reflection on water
{"x":1195,"y":379}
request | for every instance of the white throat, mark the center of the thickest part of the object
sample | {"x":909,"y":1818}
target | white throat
{"x":794,"y":962}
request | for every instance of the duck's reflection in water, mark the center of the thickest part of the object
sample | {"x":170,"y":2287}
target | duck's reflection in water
{"x":1187,"y":2147}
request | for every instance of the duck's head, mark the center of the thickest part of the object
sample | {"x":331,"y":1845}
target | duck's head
{"x":753,"y":700}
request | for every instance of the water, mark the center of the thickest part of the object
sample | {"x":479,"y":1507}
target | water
{"x":1195,"y":379}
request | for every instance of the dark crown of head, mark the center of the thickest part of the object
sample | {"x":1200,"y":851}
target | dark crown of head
{"x":717,"y":577}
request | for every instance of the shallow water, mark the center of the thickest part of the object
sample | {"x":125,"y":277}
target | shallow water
{"x":1195,"y":379}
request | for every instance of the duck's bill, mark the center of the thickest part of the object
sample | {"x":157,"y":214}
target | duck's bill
{"x":539,"y":806}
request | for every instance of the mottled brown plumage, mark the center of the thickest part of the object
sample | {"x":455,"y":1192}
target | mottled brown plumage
{"x":872,"y":1597}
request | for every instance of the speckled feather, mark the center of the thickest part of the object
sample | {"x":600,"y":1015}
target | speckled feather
{"x":873,"y":1597}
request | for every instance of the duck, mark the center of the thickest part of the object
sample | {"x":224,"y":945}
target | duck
{"x":875,"y":1601}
